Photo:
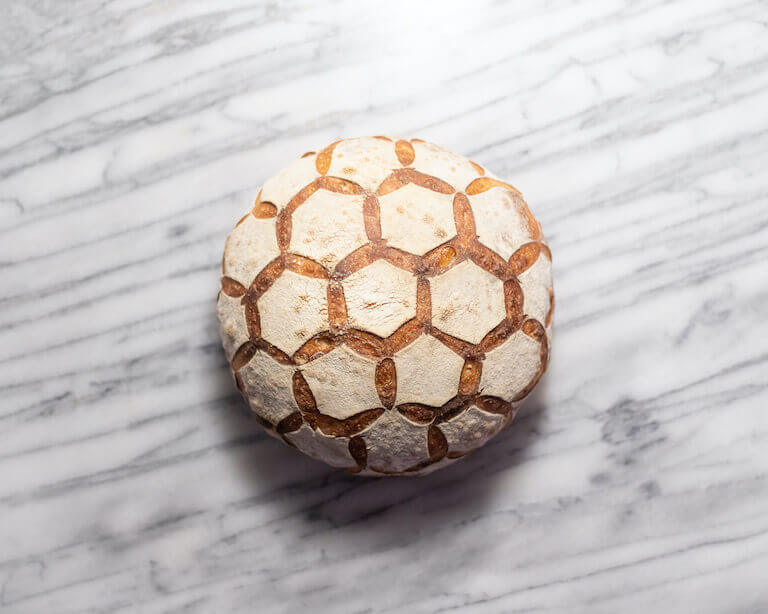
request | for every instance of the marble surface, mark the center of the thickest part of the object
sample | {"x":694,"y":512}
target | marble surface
{"x":133,"y":134}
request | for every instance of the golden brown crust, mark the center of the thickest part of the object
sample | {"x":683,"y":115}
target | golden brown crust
{"x":404,"y":152}
{"x":304,"y":266}
{"x":343,"y":428}
{"x":483,"y":184}
{"x":323,"y":160}
{"x":252,"y":319}
{"x":266,"y":278}
{"x":496,"y":336}
{"x":423,"y":302}
{"x":372,"y":217}
{"x":404,"y":176}
{"x":232,"y":288}
{"x":436,"y":444}
{"x":513,"y":302}
{"x":243,"y":355}
{"x":303,"y":394}
{"x":366,"y":344}
{"x":420,"y":414}
{"x":337,"y":306}
{"x":314,"y":348}
{"x":480,"y":170}
{"x":289,"y":424}
{"x":386,"y":382}
{"x":358,"y":451}
{"x":263,"y":210}
{"x":470,"y":377}
{"x":524,"y":257}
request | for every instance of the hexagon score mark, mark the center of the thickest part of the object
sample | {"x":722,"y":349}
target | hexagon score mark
{"x":335,"y":273}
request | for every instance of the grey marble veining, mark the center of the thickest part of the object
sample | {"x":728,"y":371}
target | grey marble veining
{"x":133,"y":134}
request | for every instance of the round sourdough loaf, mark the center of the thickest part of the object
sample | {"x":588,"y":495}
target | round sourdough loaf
{"x":386,"y":305}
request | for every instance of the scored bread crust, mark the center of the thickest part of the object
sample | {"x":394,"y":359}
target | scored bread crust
{"x":386,"y":305}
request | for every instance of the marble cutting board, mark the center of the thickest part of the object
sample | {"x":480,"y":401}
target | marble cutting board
{"x":133,"y":134}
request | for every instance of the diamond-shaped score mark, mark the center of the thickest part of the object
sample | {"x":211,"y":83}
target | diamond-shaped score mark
{"x":467,"y":301}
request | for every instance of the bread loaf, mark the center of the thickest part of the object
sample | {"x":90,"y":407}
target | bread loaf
{"x":386,"y":305}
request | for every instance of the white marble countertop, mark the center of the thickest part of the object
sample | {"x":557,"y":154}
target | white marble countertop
{"x":133,"y":134}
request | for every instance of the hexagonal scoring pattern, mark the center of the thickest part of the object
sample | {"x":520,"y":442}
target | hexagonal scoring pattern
{"x":292,"y":310}
{"x":408,"y":227}
{"x":380,"y":298}
{"x":328,"y":226}
{"x":350,"y":196}
{"x":343,"y":383}
{"x":428,"y":372}
{"x":465,"y":299}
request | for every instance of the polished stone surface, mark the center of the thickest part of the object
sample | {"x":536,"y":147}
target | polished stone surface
{"x":133,"y":135}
